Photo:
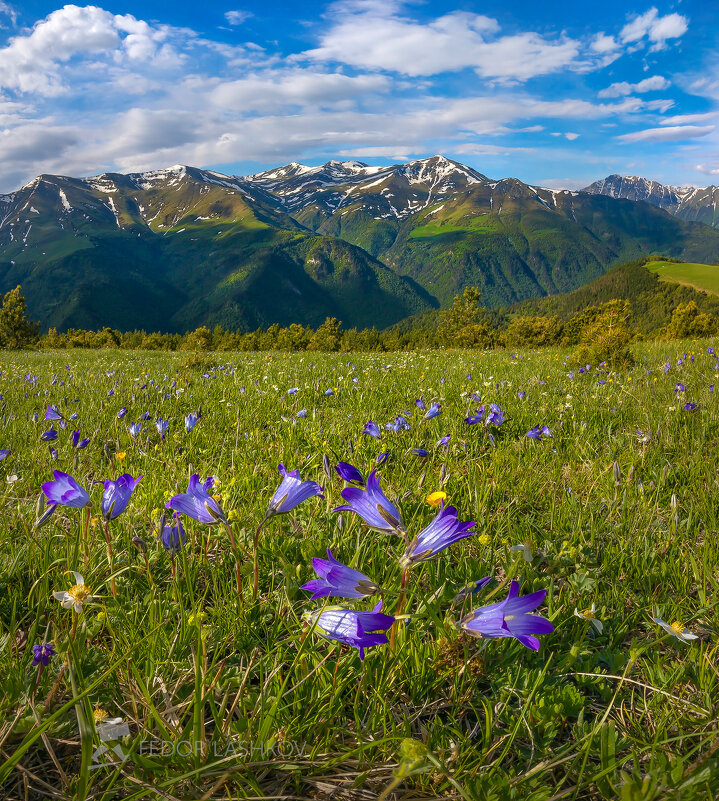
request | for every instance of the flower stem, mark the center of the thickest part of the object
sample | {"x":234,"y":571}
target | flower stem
{"x":110,"y":557}
{"x":400,"y":605}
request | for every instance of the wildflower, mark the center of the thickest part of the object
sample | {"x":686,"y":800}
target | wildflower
{"x":400,"y":424}
{"x":65,"y":491}
{"x":52,"y":413}
{"x":120,"y":455}
{"x":117,"y":495}
{"x":676,"y":629}
{"x":292,"y":492}
{"x":349,"y":473}
{"x":538,"y":432}
{"x":444,"y":441}
{"x":477,"y":417}
{"x":197,"y":503}
{"x":526,"y":551}
{"x":172,"y":538}
{"x":122,"y":413}
{"x":442,"y":532}
{"x":79,"y":443}
{"x":358,"y":629}
{"x":43,"y":653}
{"x":162,"y":426}
{"x":590,"y":617}
{"x":434,"y":410}
{"x":4,"y":453}
{"x":338,"y":580}
{"x":293,"y":391}
{"x":509,"y":618}
{"x":191,"y":421}
{"x":372,"y":429}
{"x":471,"y":588}
{"x":436,"y":498}
{"x":689,"y":407}
{"x":329,"y":392}
{"x":421,"y":452}
{"x":495,"y":416}
{"x":134,"y":429}
{"x":419,"y":403}
{"x":76,"y":597}
{"x":49,"y":436}
{"x":382,"y":458}
{"x":372,"y":506}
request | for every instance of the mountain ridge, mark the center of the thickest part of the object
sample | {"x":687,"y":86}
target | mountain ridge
{"x":174,"y":248}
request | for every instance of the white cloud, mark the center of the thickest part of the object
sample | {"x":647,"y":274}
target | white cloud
{"x":708,"y":169}
{"x":655,"y":28}
{"x":277,"y":89}
{"x":563,"y":183}
{"x":603,"y":43}
{"x":654,"y":84}
{"x":689,"y":119}
{"x":571,"y":136}
{"x":237,"y":17}
{"x":374,"y":36}
{"x":673,"y":133}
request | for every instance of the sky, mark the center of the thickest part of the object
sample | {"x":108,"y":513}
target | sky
{"x":554,"y":93}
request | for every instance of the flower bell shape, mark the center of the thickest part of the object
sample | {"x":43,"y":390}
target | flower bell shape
{"x":117,"y":495}
{"x":191,"y":421}
{"x":359,"y":629}
{"x":510,"y":618}
{"x":442,"y":532}
{"x":65,"y":491}
{"x":43,"y":653}
{"x":349,"y":473}
{"x":372,"y":429}
{"x":338,"y":581}
{"x":475,"y":418}
{"x":538,"y":432}
{"x":52,"y":413}
{"x":292,"y":492}
{"x":372,"y":506}
{"x":434,"y":410}
{"x":197,"y":503}
{"x":172,"y":538}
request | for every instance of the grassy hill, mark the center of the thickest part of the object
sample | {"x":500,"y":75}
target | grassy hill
{"x":703,"y":277}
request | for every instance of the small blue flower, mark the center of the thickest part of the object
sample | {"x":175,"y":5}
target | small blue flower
{"x":338,"y":581}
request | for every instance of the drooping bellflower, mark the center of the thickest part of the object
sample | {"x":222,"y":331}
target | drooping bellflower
{"x":359,"y":629}
{"x":442,"y":532}
{"x":349,"y":473}
{"x":292,"y":492}
{"x":197,"y":503}
{"x":338,"y":581}
{"x":510,"y":618}
{"x":372,"y":506}
{"x":117,"y":495}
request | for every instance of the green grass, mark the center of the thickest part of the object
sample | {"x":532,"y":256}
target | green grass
{"x":277,"y":711}
{"x":704,"y":277}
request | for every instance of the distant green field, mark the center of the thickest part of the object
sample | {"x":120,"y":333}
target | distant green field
{"x":704,"y":277}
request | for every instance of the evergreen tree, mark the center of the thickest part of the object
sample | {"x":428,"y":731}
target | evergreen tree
{"x":16,"y":329}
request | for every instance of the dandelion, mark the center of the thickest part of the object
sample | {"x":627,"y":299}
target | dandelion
{"x":76,"y":597}
{"x":338,"y":580}
{"x":510,"y":618}
{"x":436,"y":498}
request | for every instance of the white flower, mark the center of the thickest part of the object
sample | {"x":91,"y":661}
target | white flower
{"x":526,"y":551}
{"x":676,"y":629}
{"x":76,"y":596}
{"x":588,"y":615}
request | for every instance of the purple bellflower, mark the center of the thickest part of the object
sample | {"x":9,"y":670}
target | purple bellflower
{"x":79,"y":443}
{"x":191,"y":421}
{"x":65,"y":491}
{"x":477,"y":417}
{"x":372,"y":429}
{"x":49,"y":436}
{"x":291,"y":492}
{"x":52,"y":413}
{"x":442,"y":532}
{"x":510,"y":618}
{"x":358,"y":629}
{"x":134,"y":429}
{"x":372,"y":506}
{"x":117,"y":495}
{"x":162,"y":426}
{"x":172,"y":538}
{"x":198,"y":504}
{"x":434,"y":410}
{"x":338,"y":581}
{"x":43,"y":653}
{"x":349,"y":473}
{"x":495,"y":416}
{"x":538,"y":432}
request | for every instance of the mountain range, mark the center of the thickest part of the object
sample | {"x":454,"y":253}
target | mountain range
{"x":176,"y":248}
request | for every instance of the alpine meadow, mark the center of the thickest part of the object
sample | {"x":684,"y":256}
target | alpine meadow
{"x":369,"y":452}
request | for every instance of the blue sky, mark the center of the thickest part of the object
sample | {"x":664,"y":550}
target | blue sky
{"x":556,"y":93}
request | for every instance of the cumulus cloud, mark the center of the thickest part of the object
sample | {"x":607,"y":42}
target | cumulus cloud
{"x":237,"y":17}
{"x":377,"y":36}
{"x":655,"y":28}
{"x":671,"y":133}
{"x":653,"y":84}
{"x":708,"y":169}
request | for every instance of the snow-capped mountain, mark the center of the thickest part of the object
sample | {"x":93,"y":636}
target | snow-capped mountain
{"x":696,"y":204}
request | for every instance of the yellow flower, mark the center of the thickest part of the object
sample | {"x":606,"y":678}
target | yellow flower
{"x":120,"y":455}
{"x":435,"y":498}
{"x":484,"y":539}
{"x":233,"y":515}
{"x":99,"y":715}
